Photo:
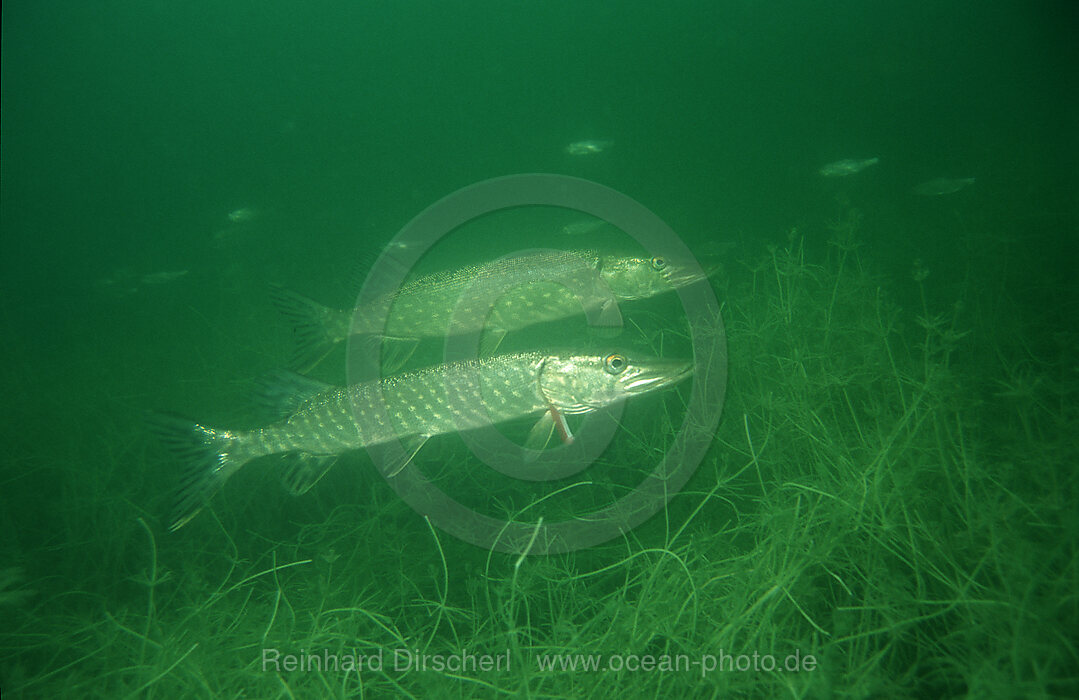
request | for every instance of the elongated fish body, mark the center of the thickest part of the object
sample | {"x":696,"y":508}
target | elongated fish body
{"x":943,"y":185}
{"x":325,"y":421}
{"x":588,"y":147}
{"x":529,"y":289}
{"x":526,"y":288}
{"x":847,"y":166}
{"x":243,"y":215}
{"x":431,"y":401}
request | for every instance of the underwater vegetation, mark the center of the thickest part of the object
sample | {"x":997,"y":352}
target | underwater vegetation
{"x":891,"y":492}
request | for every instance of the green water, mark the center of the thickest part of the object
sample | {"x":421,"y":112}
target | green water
{"x":891,"y":490}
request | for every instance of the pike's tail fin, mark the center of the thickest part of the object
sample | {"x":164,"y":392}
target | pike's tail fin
{"x":209,"y":457}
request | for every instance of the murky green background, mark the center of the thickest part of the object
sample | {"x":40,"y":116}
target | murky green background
{"x":131,"y":131}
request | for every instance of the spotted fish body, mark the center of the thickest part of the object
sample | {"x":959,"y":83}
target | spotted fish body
{"x":325,"y":421}
{"x":503,"y":295}
{"x":518,"y":291}
{"x":430,"y":401}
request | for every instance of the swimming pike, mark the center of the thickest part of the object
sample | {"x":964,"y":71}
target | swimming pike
{"x":321,"y":421}
{"x":499,"y":296}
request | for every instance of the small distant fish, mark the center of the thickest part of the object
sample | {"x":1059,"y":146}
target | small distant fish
{"x":943,"y":185}
{"x":122,"y":282}
{"x":243,"y":215}
{"x":402,"y":245}
{"x":582,"y":227}
{"x":588,"y":147}
{"x":847,"y":166}
{"x":163,"y":277}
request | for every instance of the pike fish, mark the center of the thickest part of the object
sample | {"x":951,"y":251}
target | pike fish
{"x":497,"y":297}
{"x":321,"y":421}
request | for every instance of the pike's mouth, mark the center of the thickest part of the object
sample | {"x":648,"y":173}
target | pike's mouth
{"x":686,"y":277}
{"x":657,"y":377}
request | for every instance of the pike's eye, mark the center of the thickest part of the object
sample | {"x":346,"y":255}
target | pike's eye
{"x":658,"y":263}
{"x":615,"y":363}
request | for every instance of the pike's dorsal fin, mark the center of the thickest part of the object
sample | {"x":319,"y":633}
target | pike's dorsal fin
{"x":282,"y":392}
{"x":393,"y":256}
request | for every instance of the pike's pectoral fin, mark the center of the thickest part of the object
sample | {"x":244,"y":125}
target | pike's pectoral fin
{"x":604,"y":320}
{"x":282,"y":392}
{"x":539,"y":437}
{"x":303,"y":470}
{"x":490,"y":341}
{"x":550,"y":423}
{"x":412,"y":446}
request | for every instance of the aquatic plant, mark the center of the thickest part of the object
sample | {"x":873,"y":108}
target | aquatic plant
{"x":887,"y":494}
